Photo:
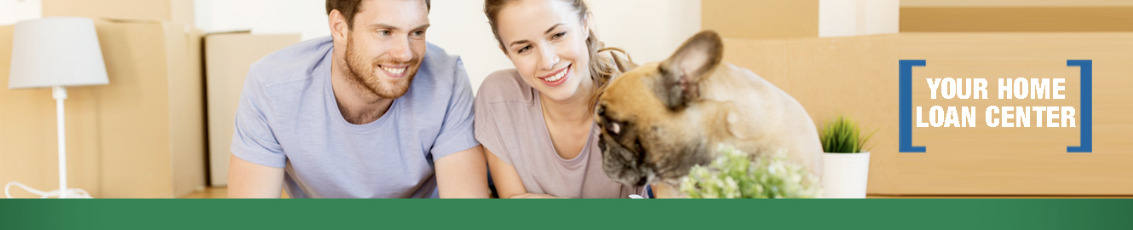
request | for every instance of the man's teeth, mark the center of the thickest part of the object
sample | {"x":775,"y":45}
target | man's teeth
{"x":556,"y":77}
{"x":393,"y":70}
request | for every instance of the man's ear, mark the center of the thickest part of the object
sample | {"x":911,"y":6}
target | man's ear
{"x":682,"y":73}
{"x":339,"y":28}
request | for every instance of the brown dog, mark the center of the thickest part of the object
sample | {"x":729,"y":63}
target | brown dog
{"x":660,"y":119}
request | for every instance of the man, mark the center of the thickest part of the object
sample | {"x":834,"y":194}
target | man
{"x":368,"y":112}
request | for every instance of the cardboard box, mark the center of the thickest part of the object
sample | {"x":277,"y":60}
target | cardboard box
{"x":762,"y":19}
{"x":227,"y":58}
{"x":176,"y":11}
{"x":151,"y":114}
{"x":1016,"y":19}
{"x":140,"y":136}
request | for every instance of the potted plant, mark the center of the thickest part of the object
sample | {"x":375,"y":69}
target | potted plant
{"x":846,"y":164}
{"x":738,"y":174}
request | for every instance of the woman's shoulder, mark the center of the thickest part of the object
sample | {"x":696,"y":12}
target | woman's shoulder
{"x":504,"y":86}
{"x":502,"y":108}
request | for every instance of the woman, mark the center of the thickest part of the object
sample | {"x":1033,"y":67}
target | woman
{"x":535,"y":121}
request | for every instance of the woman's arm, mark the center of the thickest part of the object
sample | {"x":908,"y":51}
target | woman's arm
{"x":663,"y":190}
{"x":508,"y":184}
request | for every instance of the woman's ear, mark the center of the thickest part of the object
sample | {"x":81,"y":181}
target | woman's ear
{"x":586,"y":25}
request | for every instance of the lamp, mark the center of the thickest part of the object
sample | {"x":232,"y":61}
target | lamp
{"x":57,"y":52}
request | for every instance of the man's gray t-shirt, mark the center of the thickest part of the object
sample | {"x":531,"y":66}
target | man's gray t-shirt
{"x":288,"y":117}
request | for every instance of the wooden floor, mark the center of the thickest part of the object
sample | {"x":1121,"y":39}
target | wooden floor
{"x":208,"y":193}
{"x":216,"y":193}
{"x":222,"y":192}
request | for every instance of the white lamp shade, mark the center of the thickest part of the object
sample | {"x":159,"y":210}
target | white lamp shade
{"x":61,"y":51}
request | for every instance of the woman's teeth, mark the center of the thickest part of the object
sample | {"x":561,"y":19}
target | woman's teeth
{"x":394,"y":70}
{"x":556,"y":77}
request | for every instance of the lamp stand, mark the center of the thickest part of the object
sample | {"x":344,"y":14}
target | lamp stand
{"x":60,"y":94}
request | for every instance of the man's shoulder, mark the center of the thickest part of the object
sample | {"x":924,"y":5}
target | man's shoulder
{"x":440,"y":73}
{"x":438,"y":55}
{"x":294,"y":63}
{"x":284,"y":79}
{"x":440,"y":64}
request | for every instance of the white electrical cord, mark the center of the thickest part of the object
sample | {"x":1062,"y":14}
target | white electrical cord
{"x":71,"y":193}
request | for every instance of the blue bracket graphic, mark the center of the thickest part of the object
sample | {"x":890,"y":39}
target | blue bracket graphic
{"x":906,"y":113}
{"x":906,"y":104}
{"x":1087,"y":124}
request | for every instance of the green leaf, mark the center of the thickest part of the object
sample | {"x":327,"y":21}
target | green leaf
{"x":842,"y":135}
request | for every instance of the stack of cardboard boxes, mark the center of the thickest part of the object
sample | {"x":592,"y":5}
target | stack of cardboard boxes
{"x":142,"y":135}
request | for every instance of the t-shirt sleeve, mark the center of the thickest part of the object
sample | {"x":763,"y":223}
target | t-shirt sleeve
{"x":253,"y":139}
{"x":490,"y":120}
{"x":456,"y":131}
{"x":488,"y":131}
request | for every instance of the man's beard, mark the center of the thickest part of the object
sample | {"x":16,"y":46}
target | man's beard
{"x":364,"y":73}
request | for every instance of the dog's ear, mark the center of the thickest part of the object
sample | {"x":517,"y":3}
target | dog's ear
{"x":691,"y":63}
{"x":623,"y":63}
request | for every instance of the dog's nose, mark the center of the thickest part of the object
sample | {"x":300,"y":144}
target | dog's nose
{"x":640,"y":182}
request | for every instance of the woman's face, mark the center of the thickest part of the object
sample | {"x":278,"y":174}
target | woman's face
{"x":546,"y":41}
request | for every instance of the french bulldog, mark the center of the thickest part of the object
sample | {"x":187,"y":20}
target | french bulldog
{"x":660,"y":119}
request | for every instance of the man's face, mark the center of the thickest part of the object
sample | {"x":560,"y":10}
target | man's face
{"x":385,"y":47}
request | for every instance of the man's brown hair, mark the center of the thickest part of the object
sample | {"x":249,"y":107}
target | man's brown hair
{"x":349,"y":8}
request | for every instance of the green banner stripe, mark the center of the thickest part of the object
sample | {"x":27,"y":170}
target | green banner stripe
{"x":566,"y":214}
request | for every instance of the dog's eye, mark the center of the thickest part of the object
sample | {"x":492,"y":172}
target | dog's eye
{"x":616,"y":128}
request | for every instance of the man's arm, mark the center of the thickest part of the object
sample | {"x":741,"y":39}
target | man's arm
{"x":250,"y":180}
{"x":254,"y":140}
{"x":463,"y":174}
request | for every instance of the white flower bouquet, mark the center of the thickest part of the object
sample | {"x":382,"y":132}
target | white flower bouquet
{"x":736,"y":174}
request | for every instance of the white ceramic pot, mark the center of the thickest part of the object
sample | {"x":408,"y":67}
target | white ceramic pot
{"x":845,"y":175}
